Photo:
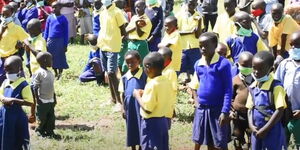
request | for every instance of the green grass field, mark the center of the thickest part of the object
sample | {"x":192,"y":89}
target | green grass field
{"x":85,"y":118}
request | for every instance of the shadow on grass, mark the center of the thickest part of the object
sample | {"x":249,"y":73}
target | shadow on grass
{"x":75,"y":127}
{"x":66,"y":117}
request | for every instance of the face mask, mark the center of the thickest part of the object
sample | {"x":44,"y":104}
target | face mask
{"x":243,"y":32}
{"x":106,"y":2}
{"x":262,"y":79}
{"x":151,"y":2}
{"x":12,"y":77}
{"x":245,"y":70}
{"x":28,"y":4}
{"x":6,"y":20}
{"x":33,"y":38}
{"x":40,"y":4}
{"x":17,"y":1}
{"x":295,"y":53}
{"x":257,"y":12}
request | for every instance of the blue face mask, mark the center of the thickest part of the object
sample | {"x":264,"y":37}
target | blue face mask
{"x":7,"y":20}
{"x":40,"y":4}
{"x":295,"y":53}
{"x":106,"y":2}
{"x":262,"y":79}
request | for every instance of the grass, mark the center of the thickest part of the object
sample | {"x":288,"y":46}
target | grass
{"x":85,"y":118}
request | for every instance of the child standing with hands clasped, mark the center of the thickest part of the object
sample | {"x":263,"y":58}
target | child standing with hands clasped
{"x":14,"y":93}
{"x":135,"y":78}
{"x":56,"y":35}
{"x":213,"y":82}
{"x":155,"y":104}
{"x":172,"y":39}
{"x":266,"y":103}
{"x":43,"y":86}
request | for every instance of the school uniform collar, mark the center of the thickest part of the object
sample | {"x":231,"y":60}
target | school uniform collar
{"x":266,"y":85}
{"x":167,"y":67}
{"x":37,"y":37}
{"x":215,"y":59}
{"x":113,"y":6}
{"x":14,"y":84}
{"x":138,"y":75}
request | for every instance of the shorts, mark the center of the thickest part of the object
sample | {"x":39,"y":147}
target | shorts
{"x":109,"y":61}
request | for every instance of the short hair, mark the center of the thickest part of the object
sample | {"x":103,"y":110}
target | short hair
{"x":266,"y":57}
{"x":92,"y":39}
{"x":15,"y":61}
{"x":11,"y":8}
{"x":211,"y":36}
{"x":42,"y":56}
{"x":34,"y":23}
{"x":154,"y":60}
{"x":166,"y":51}
{"x":133,"y":53}
{"x":172,"y":19}
{"x":277,"y":6}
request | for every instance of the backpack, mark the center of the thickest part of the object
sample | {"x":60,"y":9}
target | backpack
{"x":287,"y":113}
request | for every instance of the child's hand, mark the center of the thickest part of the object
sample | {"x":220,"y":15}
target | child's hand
{"x":253,"y":129}
{"x":123,"y":113}
{"x":233,"y":115}
{"x":31,"y":118}
{"x":261,"y":133}
{"x":138,"y":93}
{"x":223,"y":119}
{"x":296,"y":114}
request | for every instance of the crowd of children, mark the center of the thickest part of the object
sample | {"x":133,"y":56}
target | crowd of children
{"x":244,"y":76}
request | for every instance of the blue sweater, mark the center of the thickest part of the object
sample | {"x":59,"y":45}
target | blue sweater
{"x":239,"y":44}
{"x":96,"y":24}
{"x":92,"y":55}
{"x":57,"y":27}
{"x":215,"y":88}
{"x":26,"y":14}
{"x":156,"y":16}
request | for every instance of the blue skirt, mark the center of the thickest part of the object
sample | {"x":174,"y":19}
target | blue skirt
{"x":14,"y":133}
{"x":133,"y":120}
{"x":56,"y":47}
{"x":154,"y":134}
{"x":206,"y":129}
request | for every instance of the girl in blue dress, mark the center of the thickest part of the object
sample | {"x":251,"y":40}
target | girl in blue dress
{"x":135,"y":78}
{"x":56,"y":35}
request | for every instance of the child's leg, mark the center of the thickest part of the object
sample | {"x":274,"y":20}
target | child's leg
{"x":113,"y":81}
{"x":50,"y":125}
{"x":197,"y":147}
{"x":41,"y":114}
{"x":55,"y":72}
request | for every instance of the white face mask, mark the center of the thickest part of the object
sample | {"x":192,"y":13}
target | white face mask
{"x":106,"y":2}
{"x":12,"y":77}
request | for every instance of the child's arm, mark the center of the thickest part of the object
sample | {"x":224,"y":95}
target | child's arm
{"x":261,"y":33}
{"x":123,"y":105}
{"x":198,"y":30}
{"x":261,"y":133}
{"x":283,"y":43}
{"x":138,"y":96}
{"x":54,"y":97}
{"x":250,"y":120}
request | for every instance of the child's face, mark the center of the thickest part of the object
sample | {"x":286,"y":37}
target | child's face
{"x":260,"y":68}
{"x":11,"y":69}
{"x":276,"y":14}
{"x":140,"y":8}
{"x":169,"y":26}
{"x":192,"y":4}
{"x":207,"y":46}
{"x":295,"y":40}
{"x":245,"y":23}
{"x":6,"y":12}
{"x":120,"y":4}
{"x":56,"y":8}
{"x":98,"y":4}
{"x":132,"y":62}
{"x":245,"y":62}
{"x":221,"y":50}
{"x":229,"y":7}
{"x":33,"y":32}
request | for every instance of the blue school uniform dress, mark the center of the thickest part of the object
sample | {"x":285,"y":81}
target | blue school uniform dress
{"x":56,"y":35}
{"x":128,"y":84}
{"x":88,"y":72}
{"x":238,"y":44}
{"x":155,"y":14}
{"x":214,"y":89}
{"x":14,"y":133}
{"x":259,"y":97}
{"x":96,"y":22}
